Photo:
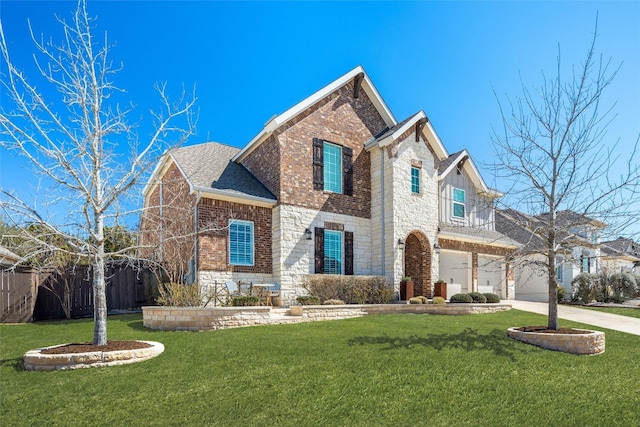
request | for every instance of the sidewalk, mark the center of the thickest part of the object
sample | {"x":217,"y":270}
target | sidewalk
{"x":630,"y":325}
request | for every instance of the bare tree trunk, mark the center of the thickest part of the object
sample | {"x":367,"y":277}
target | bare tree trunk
{"x":100,"y":303}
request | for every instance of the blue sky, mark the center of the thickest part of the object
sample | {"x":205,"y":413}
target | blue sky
{"x":251,"y":60}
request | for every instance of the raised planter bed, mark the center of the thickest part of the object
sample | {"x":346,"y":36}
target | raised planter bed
{"x":576,"y":341}
{"x":38,"y":360}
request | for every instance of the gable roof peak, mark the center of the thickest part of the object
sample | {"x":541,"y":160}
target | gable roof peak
{"x":358,"y":74}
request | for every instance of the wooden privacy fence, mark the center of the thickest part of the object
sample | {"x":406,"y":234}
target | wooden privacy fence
{"x":45,"y":296}
{"x":18,"y":288}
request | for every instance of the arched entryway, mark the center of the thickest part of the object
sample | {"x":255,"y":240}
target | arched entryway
{"x":417,"y":263}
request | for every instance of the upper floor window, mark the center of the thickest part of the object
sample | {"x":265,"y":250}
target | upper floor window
{"x":458,"y":203}
{"x":415,"y":180}
{"x":585,"y":264}
{"x":332,"y":167}
{"x":241,"y":246}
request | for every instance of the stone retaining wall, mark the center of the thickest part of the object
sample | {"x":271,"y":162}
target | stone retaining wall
{"x":591,"y":342}
{"x":212,"y":318}
{"x":203,"y":318}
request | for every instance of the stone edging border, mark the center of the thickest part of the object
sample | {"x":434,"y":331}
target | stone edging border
{"x":590,"y":343}
{"x":34,"y":360}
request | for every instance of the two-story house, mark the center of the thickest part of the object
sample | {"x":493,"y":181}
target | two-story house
{"x":334,"y":185}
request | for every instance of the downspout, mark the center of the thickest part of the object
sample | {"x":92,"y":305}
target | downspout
{"x":161,"y":240}
{"x":382,"y":228}
{"x":195,"y":238}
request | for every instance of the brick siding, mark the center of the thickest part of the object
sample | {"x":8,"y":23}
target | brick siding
{"x":213,"y":221}
{"x":339,"y":118}
{"x":166,"y":232}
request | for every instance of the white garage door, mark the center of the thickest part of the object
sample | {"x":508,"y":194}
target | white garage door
{"x":455,"y":268}
{"x":490,"y":275}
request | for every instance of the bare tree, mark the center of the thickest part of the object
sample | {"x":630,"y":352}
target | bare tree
{"x":73,"y":142}
{"x":562,"y":167}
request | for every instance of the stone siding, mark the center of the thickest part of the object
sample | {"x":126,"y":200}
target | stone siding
{"x":413,"y":213}
{"x":294,"y":254}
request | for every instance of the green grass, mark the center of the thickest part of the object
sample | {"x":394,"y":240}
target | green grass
{"x":630,"y":312}
{"x":386,"y":370}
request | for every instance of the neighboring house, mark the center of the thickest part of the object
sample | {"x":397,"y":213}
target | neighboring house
{"x":334,"y":185}
{"x":621,"y":256}
{"x":578,"y":250}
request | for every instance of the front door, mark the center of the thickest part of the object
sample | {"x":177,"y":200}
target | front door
{"x":417,"y":263}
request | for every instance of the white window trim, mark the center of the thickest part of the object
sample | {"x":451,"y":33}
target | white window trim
{"x":253,"y":243}
{"x":454,"y":203}
{"x":340,"y":174}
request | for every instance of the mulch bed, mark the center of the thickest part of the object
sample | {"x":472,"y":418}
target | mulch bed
{"x":88,"y":347}
{"x":545,"y":330}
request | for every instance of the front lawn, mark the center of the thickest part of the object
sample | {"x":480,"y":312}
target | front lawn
{"x":386,"y":370}
{"x":622,"y":311}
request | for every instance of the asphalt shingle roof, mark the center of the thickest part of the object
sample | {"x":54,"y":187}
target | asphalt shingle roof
{"x":209,"y":165}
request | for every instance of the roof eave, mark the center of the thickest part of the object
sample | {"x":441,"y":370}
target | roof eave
{"x":245,"y":199}
{"x":476,"y":239}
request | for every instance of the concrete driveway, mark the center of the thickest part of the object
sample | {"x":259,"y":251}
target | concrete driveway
{"x":630,"y":325}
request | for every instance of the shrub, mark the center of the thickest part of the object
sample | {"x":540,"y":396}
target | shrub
{"x":492,"y":298}
{"x":478,"y":297}
{"x":333,"y":302}
{"x":350,"y":289}
{"x":623,"y":285}
{"x":179,"y":295}
{"x":561,"y":293}
{"x":584,"y":287}
{"x":419,"y":300}
{"x":308,"y":300}
{"x":460,"y":298}
{"x":245,"y":301}
{"x":438,"y":300}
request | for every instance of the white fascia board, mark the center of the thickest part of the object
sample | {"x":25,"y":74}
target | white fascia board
{"x":243,"y":199}
{"x":474,"y":174}
{"x":377,"y":100}
{"x":437,"y":145}
{"x":275,"y":122}
{"x":473,"y":239}
{"x":159,"y":172}
{"x":452,"y":165}
{"x":410,"y":123}
{"x":389,"y":139}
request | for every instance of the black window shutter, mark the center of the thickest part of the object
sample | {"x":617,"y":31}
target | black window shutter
{"x":318,"y":164}
{"x":319,"y":250}
{"x":348,"y":253}
{"x":347,"y":166}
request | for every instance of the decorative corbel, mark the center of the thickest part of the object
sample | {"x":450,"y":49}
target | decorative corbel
{"x":419,"y":126}
{"x":357,"y":83}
